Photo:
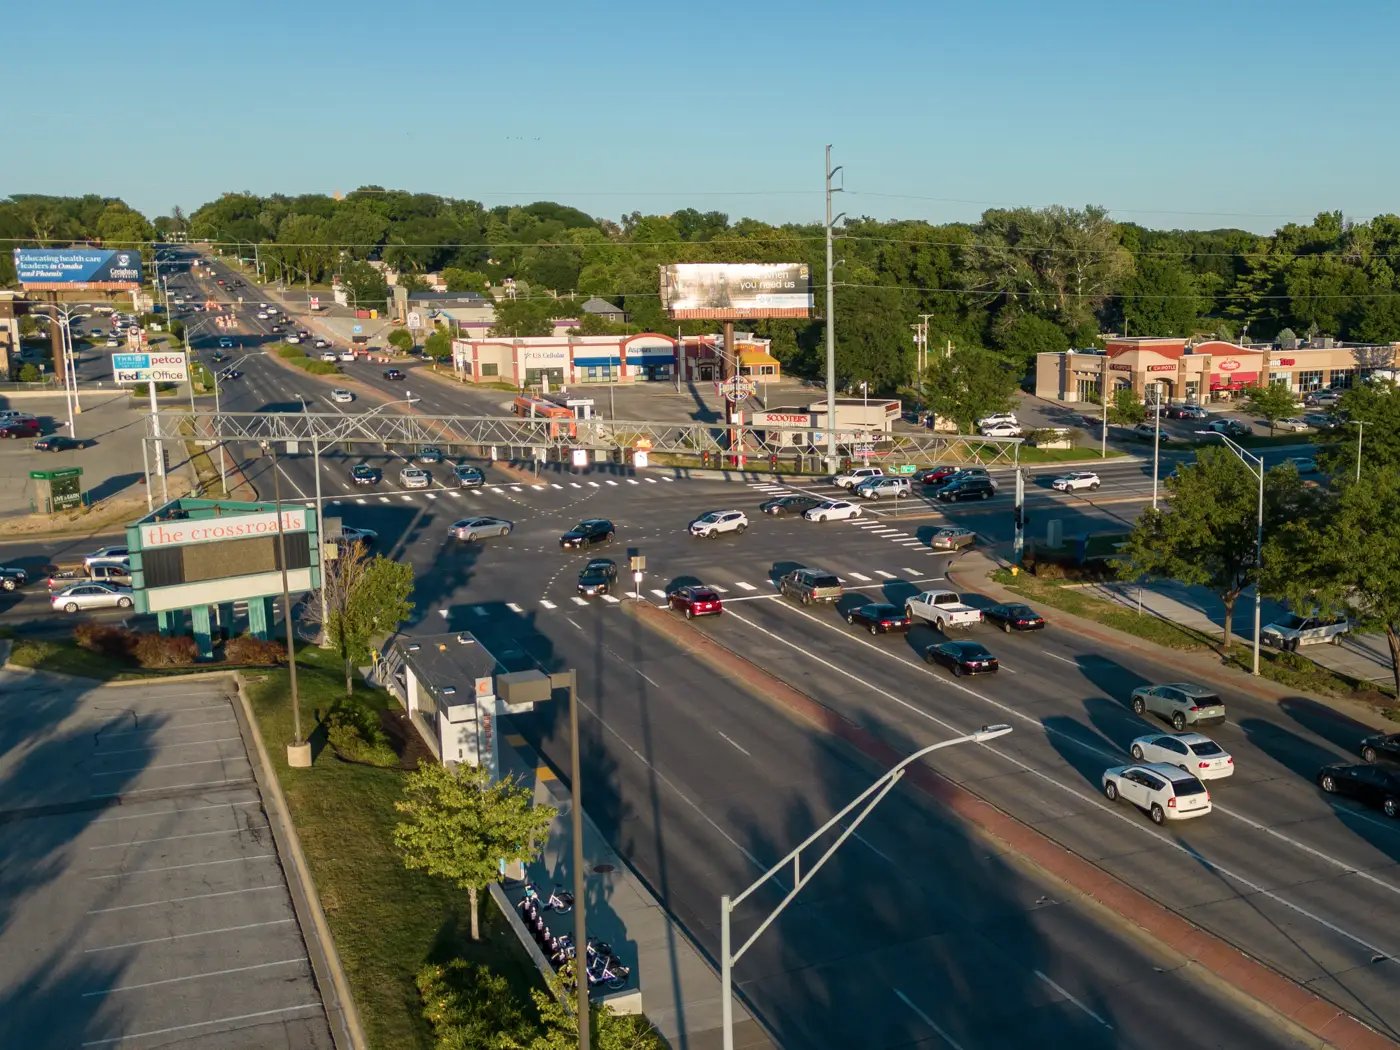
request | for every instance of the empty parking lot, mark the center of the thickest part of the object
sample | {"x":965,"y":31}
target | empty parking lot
{"x":142,"y":900}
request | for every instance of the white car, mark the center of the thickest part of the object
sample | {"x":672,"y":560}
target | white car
{"x":854,"y":476}
{"x":292,"y":337}
{"x":996,"y":418}
{"x":341,"y":396}
{"x":1076,"y":480}
{"x":1001,"y":430}
{"x":1293,"y":423}
{"x":321,"y":344}
{"x":91,"y":595}
{"x":1199,"y":755}
{"x":347,"y":355}
{"x":329,"y":357}
{"x":1165,"y":792}
{"x":833,"y":510}
{"x":113,"y":341}
{"x":415,"y":478}
{"x":718,"y":521}
{"x":351,"y":535}
{"x":262,"y":315}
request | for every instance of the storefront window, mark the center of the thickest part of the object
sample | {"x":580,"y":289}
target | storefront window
{"x":1343,"y":378}
{"x":1087,"y":389}
{"x":489,"y":370}
{"x":535,"y":376}
{"x":1309,"y":381}
{"x":1283,"y":379}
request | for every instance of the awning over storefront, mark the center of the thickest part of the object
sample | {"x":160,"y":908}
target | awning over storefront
{"x":1221,"y":380}
{"x":597,"y":362}
{"x":757,"y":359}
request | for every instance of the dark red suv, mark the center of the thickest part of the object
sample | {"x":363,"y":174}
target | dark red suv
{"x":695,"y":601}
{"x":20,"y":428}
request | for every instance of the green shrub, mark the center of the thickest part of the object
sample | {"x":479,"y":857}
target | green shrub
{"x":29,"y":373}
{"x":289,"y":353}
{"x":319,"y":368}
{"x":115,"y":642}
{"x":355,"y":735}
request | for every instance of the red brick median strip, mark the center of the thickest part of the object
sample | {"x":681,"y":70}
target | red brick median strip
{"x":1273,"y":990}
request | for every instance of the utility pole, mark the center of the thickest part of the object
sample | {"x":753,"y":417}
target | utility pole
{"x":1103,"y":400}
{"x":1020,"y":519}
{"x":831,"y":460}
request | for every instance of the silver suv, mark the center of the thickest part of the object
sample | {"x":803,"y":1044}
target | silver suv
{"x":811,"y":585}
{"x":1180,"y":703}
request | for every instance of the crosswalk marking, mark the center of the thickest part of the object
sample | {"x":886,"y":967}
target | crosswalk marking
{"x":548,"y":604}
{"x":745,"y":586}
{"x":717,"y":587}
{"x":911,"y":543}
{"x":611,"y":482}
{"x":479,"y":611}
{"x":594,"y":484}
{"x":610,"y":599}
{"x":516,"y":488}
{"x":405,"y":497}
{"x":651,"y":481}
{"x":513,"y":607}
{"x":633,"y":481}
{"x":577,"y":600}
{"x":658,"y":593}
{"x":362,"y":502}
{"x":668,"y":479}
{"x":431,"y":495}
{"x":383,"y":499}
{"x":859,"y":576}
{"x":539,"y":488}
{"x":892,"y":535}
{"x":456,"y":493}
{"x":555,"y":485}
{"x":575,"y":485}
{"x":912,"y":572}
{"x":886,"y":575}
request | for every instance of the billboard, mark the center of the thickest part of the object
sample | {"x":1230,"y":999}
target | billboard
{"x":169,"y":367}
{"x":212,"y":530}
{"x":735,"y":291}
{"x":64,"y":269}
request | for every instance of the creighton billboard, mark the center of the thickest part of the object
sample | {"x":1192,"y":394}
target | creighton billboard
{"x":65,"y":269}
{"x":735,"y":291}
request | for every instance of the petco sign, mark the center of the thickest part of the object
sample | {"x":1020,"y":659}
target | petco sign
{"x":211,"y":530}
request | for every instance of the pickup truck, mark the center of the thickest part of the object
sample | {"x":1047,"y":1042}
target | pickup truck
{"x":1293,"y":631}
{"x":943,"y":609}
{"x":66,"y":576}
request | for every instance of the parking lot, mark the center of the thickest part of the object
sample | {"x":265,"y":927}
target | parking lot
{"x":142,"y":900}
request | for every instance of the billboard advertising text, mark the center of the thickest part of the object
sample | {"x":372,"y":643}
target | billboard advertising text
{"x":61,"y":269}
{"x":735,"y":291}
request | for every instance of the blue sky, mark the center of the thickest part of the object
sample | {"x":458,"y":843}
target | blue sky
{"x":1184,"y":114}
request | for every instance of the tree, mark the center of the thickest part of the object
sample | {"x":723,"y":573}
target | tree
{"x":363,"y":596}
{"x":609,"y":1030}
{"x":29,"y":373}
{"x":1377,"y":404}
{"x":1125,"y":409}
{"x":1205,"y":533}
{"x":1028,"y":335}
{"x":966,"y":385}
{"x":1159,"y":298}
{"x":460,"y":280}
{"x":1272,"y":401}
{"x":470,"y":1008}
{"x":366,"y":285}
{"x":401,"y":339}
{"x":459,"y":826}
{"x":438,"y":346}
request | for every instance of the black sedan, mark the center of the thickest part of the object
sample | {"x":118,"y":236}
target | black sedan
{"x":597,"y":577}
{"x":58,"y":443}
{"x":394,"y":373}
{"x":789,"y":505}
{"x":962,"y":657}
{"x":880,"y":618}
{"x":364,"y":474}
{"x":1013,"y":616}
{"x":229,"y":373}
{"x":1382,"y":747}
{"x":1376,"y":786}
{"x":12,"y":578}
{"x":588,"y":532}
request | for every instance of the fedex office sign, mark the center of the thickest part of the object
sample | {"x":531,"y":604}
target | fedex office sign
{"x":211,"y":530}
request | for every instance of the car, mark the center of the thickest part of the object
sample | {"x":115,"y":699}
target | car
{"x":1198,"y":755}
{"x":468,"y":477}
{"x":292,"y":337}
{"x":12,"y":578}
{"x":874,"y":488}
{"x":8,"y":414}
{"x":469,"y":529}
{"x":710,"y":525}
{"x":934,"y":475}
{"x":832,"y":510}
{"x":1321,"y":421}
{"x":321,"y":344}
{"x":225,"y":343}
{"x":113,"y":341}
{"x":364,"y":474}
{"x":880,"y":618}
{"x":971,"y":472}
{"x":952,"y":538}
{"x":1304,"y":464}
{"x":1322,"y":398}
{"x":942,"y":608}
{"x":91,"y":595}
{"x":1013,"y":616}
{"x":810,"y":585}
{"x":342,"y":396}
{"x":329,"y":357}
{"x":276,"y":328}
{"x":230,"y":373}
{"x":1294,"y":423}
{"x":272,"y":309}
{"x":218,"y":357}
{"x":695,"y":600}
{"x":1076,"y":480}
{"x":962,"y":657}
{"x":587,"y":533}
{"x":430,"y":454}
{"x":998,"y":418}
{"x":1378,"y":747}
{"x":393,"y":373}
{"x":58,"y":443}
{"x":1180,"y":703}
{"x":1153,"y":432}
{"x":108,"y":556}
{"x":960,"y":489}
{"x":782,"y":505}
{"x":20,"y":428}
{"x":599,"y":576}
{"x":1291,"y":631}
{"x":1377,"y":786}
{"x":1229,"y":427}
{"x":350,"y":535}
{"x":415,"y":478}
{"x":855,"y":476}
{"x":347,"y":355}
{"x":262,"y":315}
{"x":1164,"y":792}
{"x":1001,"y":430}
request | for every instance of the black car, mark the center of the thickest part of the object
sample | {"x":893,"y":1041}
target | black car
{"x":1382,"y":747}
{"x":789,"y":505}
{"x":363,"y":474}
{"x":588,"y":532}
{"x":58,"y":443}
{"x":1377,"y":786}
{"x":12,"y":578}
{"x":960,"y":489}
{"x":1012,"y":616}
{"x":230,"y":373}
{"x":880,"y":618}
{"x":962,"y":657}
{"x":597,"y":577}
{"x":394,"y":373}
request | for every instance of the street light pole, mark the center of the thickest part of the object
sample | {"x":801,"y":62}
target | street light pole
{"x":865,"y":802}
{"x":830,"y":172}
{"x":568,"y":680}
{"x":1156,"y":440}
{"x":1255,"y":464}
{"x":1103,"y":399}
{"x":1360,"y":424}
{"x":298,"y":753}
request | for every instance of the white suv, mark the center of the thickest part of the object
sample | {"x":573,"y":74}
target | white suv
{"x":1076,"y":480}
{"x":1165,"y":792}
{"x":856,"y":475}
{"x":874,"y":488}
{"x":718,"y":521}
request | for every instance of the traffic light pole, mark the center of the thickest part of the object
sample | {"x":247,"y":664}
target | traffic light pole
{"x":1020,"y":542}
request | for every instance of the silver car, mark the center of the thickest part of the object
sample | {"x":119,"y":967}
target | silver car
{"x":91,"y":596}
{"x":1180,"y":703}
{"x":469,"y":529}
{"x":415,"y":478}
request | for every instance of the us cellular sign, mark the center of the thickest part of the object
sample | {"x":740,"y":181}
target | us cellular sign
{"x":63,"y":269}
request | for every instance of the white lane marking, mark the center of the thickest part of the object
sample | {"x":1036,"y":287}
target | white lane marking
{"x":577,"y":600}
{"x":610,"y":599}
{"x":175,"y":812}
{"x":658,"y":593}
{"x":383,"y":499}
{"x":594,"y":484}
{"x":730,"y":740}
{"x":611,"y":482}
{"x":650,"y":481}
{"x":187,"y":743}
{"x":859,"y":576}
{"x":539,"y":488}
{"x":648,"y":678}
{"x":927,"y":1020}
{"x":886,"y":575}
{"x":456,"y":493}
{"x":548,"y":604}
{"x":516,"y":488}
{"x":1072,"y":999}
{"x":744,"y":586}
{"x":668,"y":479}
{"x":194,"y":976}
{"x":431,"y":495}
{"x":1095,"y":799}
{"x":717,"y":587}
{"x":513,"y":607}
{"x":476,"y":611}
{"x":180,"y":900}
{"x":633,"y":481}
{"x":187,"y":936}
{"x":165,"y":765}
{"x":203,"y":1024}
{"x":154,"y":729}
{"x":575,"y":485}
{"x":497,"y":488}
{"x":912,"y":572}
{"x":173,"y":838}
{"x":1062,"y":659}
{"x":555,"y":485}
{"x":406,"y":497}
{"x":361,"y":501}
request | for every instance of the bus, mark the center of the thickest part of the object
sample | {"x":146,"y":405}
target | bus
{"x":537,"y":408}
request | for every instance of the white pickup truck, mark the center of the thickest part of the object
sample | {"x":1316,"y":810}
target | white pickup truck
{"x":943,"y":609}
{"x":1294,"y":630}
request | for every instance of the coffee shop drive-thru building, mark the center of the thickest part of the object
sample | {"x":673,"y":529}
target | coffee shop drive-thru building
{"x":1214,"y":370}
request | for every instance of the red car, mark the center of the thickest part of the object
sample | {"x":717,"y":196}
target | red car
{"x":20,"y":428}
{"x":695,"y":601}
{"x":937,"y":475}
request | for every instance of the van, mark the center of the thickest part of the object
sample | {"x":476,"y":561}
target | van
{"x":811,"y":585}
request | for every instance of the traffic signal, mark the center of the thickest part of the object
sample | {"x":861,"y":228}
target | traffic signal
{"x":773,"y":462}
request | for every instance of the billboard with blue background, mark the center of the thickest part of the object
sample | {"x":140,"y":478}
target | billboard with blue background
{"x":72,"y":268}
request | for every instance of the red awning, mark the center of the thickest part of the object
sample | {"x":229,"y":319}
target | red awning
{"x":1227,"y":379}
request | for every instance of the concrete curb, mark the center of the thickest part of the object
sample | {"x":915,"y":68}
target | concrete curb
{"x":1276,"y":993}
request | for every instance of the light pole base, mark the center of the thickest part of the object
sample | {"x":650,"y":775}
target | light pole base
{"x":299,"y":755}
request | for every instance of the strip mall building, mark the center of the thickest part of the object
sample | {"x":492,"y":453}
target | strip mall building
{"x":1201,"y":372}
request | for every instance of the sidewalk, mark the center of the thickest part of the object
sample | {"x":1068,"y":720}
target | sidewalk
{"x":679,"y":989}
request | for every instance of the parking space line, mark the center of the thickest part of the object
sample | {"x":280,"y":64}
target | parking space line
{"x":172,"y":787}
{"x":167,"y":765}
{"x":187,"y":743}
{"x":180,"y":900}
{"x":173,"y":812}
{"x":193,"y":977}
{"x":172,"y":838}
{"x":187,"y":936}
{"x":202,"y":1024}
{"x":222,"y":705}
{"x":182,"y":867}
